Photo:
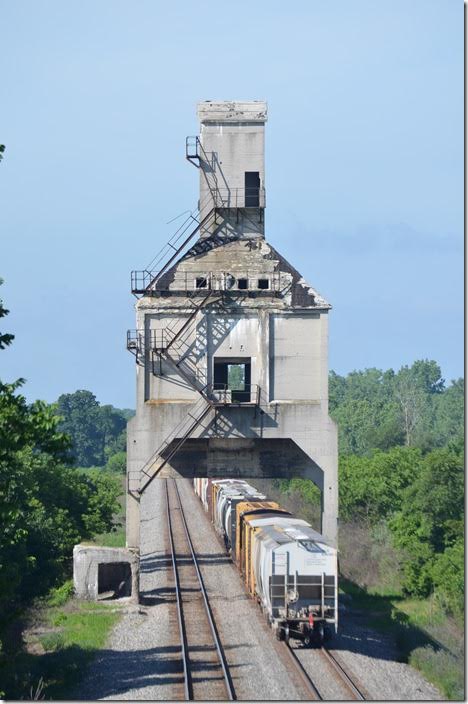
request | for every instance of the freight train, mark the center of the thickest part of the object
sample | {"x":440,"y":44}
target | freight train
{"x":285,"y":565}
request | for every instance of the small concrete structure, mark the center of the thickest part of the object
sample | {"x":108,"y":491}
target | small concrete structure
{"x":107,"y":573}
{"x":231,"y":342}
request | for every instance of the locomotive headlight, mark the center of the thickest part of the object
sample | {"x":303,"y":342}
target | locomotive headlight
{"x":292,"y":596}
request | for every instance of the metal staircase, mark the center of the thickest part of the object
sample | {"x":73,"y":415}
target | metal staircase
{"x":169,"y":345}
{"x":145,"y":281}
{"x":138,"y":481}
{"x":163,"y":345}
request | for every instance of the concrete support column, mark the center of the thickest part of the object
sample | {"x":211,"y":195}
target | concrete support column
{"x":263,"y":355}
{"x":329,"y":465}
{"x":133,"y":522}
{"x":325,"y":476}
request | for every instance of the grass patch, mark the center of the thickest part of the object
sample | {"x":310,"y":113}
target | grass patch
{"x":425,"y":636}
{"x":61,"y":641}
{"x":442,"y":669}
{"x":113,"y":539}
{"x":60,"y":595}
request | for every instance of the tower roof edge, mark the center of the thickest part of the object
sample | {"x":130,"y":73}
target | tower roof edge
{"x":232,"y":111}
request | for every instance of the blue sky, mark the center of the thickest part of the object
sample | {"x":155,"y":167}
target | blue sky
{"x":364,"y":169}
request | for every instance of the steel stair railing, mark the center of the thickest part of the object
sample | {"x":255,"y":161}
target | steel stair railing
{"x":185,"y":429}
{"x":193,"y":419}
{"x":144,"y":281}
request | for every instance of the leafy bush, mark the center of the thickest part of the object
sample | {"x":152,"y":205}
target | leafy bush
{"x":371,"y":488}
{"x":46,"y":507}
{"x":60,"y":595}
{"x":117,"y":463}
{"x":430,"y":521}
{"x":448,"y":575}
{"x":53,"y":641}
{"x":442,"y":668}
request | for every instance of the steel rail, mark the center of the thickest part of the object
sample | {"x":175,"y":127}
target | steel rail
{"x":227,"y":677}
{"x":357,"y":694}
{"x":188,"y":688}
{"x":304,"y":675}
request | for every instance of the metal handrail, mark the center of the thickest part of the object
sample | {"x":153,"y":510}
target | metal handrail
{"x":225,"y":197}
{"x":239,"y":197}
{"x":196,"y":220}
{"x":179,"y":431}
{"x":224,"y":395}
{"x":202,"y":281}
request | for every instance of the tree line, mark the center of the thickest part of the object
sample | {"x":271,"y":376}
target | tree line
{"x":98,"y":433}
{"x":46,"y":504}
{"x":401,"y":479}
{"x":401,"y":442}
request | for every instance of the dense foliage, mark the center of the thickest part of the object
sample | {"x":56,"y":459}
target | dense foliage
{"x":412,"y":407}
{"x":45,"y":505}
{"x":97,"y":433}
{"x":401,"y":472}
{"x":401,"y":464}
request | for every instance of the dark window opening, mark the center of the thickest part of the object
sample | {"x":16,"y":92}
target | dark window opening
{"x":252,"y":189}
{"x":114,"y":580}
{"x":242,"y":283}
{"x":201,"y":282}
{"x":263,"y":283}
{"x":232,"y":376}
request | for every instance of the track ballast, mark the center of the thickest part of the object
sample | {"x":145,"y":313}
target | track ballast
{"x":206,"y":673}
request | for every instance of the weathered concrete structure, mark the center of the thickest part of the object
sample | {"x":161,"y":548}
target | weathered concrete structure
{"x":105,"y":572}
{"x":231,"y":343}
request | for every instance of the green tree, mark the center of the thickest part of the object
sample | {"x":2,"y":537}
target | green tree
{"x":379,"y":410}
{"x":431,"y":517}
{"x":81,"y":420}
{"x":45,"y":506}
{"x":96,"y":431}
{"x":449,"y":415}
{"x":5,"y":338}
{"x":414,"y":388}
{"x":117,"y":463}
{"x":371,"y":488}
{"x":112,"y":423}
{"x":448,"y":574}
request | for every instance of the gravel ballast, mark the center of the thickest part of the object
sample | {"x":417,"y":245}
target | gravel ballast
{"x":142,"y":659}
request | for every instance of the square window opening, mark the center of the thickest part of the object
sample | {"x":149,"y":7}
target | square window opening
{"x":242,"y":283}
{"x":201,"y":282}
{"x":114,"y":580}
{"x":231,"y":378}
{"x":263,"y":283}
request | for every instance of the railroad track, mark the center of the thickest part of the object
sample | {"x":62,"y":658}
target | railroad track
{"x":345,"y":679}
{"x":206,"y":673}
{"x":304,"y":676}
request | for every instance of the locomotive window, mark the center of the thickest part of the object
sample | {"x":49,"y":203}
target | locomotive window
{"x":201,"y":282}
{"x":263,"y":283}
{"x":242,"y":283}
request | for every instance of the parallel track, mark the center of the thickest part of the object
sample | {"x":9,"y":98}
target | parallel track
{"x":206,"y":673}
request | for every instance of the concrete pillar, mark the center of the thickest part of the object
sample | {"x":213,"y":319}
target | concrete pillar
{"x":329,"y":529}
{"x":133,"y":522}
{"x":325,"y":476}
